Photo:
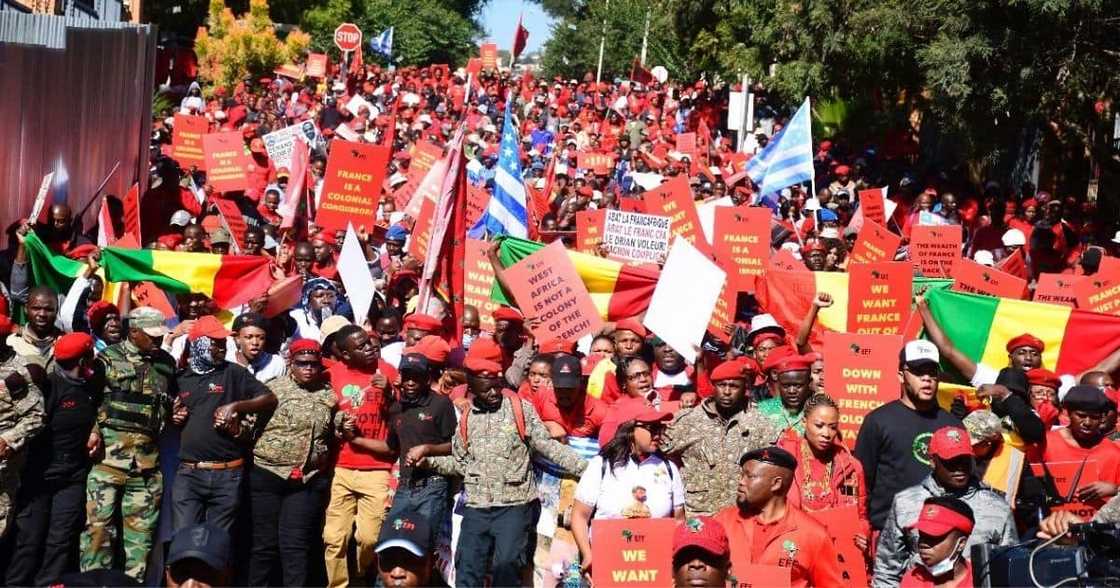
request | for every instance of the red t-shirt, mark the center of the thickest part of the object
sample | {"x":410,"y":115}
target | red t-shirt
{"x":1105,"y":454}
{"x":369,"y":407}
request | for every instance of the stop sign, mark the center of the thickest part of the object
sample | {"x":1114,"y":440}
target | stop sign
{"x":348,"y":37}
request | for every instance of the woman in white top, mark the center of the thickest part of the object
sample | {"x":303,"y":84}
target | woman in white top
{"x":630,"y":478}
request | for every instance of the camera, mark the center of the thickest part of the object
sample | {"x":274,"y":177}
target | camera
{"x":1093,"y":561}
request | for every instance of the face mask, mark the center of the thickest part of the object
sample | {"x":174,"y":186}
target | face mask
{"x":945,"y":566}
{"x":467,"y":340}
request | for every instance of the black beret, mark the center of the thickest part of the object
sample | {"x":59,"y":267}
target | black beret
{"x":1087,"y":398}
{"x":771,"y":455}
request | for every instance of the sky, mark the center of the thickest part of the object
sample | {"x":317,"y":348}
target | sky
{"x":499,"y":19}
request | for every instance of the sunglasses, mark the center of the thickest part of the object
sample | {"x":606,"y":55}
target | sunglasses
{"x":652,"y":427}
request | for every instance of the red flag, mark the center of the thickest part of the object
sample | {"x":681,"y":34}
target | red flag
{"x":106,"y":234}
{"x":132,"y":211}
{"x":639,"y":73}
{"x":539,"y":200}
{"x":447,"y":248}
{"x":297,"y":183}
{"x":357,"y":66}
{"x":1015,"y":264}
{"x":520,"y":38}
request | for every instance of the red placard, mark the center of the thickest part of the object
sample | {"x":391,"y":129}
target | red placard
{"x":974,"y":278}
{"x":422,"y":230}
{"x":474,"y":67}
{"x":186,"y":140}
{"x":843,"y":525}
{"x":477,"y":200}
{"x":148,"y":294}
{"x":874,"y":243}
{"x":741,"y":243}
{"x":424,"y":155}
{"x":935,"y":250}
{"x":674,"y":200}
{"x":1099,"y":293}
{"x":686,"y":143}
{"x":283,"y":294}
{"x":600,"y":164}
{"x":235,"y":221}
{"x":862,"y":375}
{"x":879,"y":297}
{"x":132,"y":211}
{"x":633,"y":552}
{"x":488,"y":53}
{"x":352,"y":185}
{"x":627,"y":204}
{"x":871,"y":203}
{"x":477,"y":281}
{"x":548,"y":288}
{"x":348,"y":37}
{"x":226,"y":161}
{"x":784,"y":260}
{"x":723,"y":315}
{"x":317,"y":65}
{"x":1057,"y":289}
{"x":589,"y":230}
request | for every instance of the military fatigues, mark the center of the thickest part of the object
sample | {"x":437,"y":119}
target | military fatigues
{"x":133,"y":411}
{"x":709,"y":449}
{"x":21,"y":418}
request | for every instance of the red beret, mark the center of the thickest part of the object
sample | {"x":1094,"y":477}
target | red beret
{"x":556,"y":346}
{"x":1026,"y":340}
{"x":631,"y":325}
{"x":326,"y":237}
{"x":730,"y":370}
{"x":775,"y":356}
{"x":170,"y":241}
{"x":813,"y":245}
{"x":485,"y":348}
{"x":432,"y":347}
{"x":1043,"y":377}
{"x":843,"y":170}
{"x":505,"y":313}
{"x":475,"y":364}
{"x":304,"y":346}
{"x":99,"y":311}
{"x":766,"y":336}
{"x":208,"y":326}
{"x":72,"y":346}
{"x":422,"y":322}
{"x":793,"y":363}
{"x":81,"y":251}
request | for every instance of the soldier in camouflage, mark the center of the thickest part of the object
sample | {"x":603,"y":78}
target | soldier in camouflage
{"x":21,"y":418}
{"x":710,"y":437}
{"x":135,"y":406}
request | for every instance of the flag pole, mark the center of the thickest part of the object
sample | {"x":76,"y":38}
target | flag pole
{"x":645,"y":38}
{"x":602,"y":45}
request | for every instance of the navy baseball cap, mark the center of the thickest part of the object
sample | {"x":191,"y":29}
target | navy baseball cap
{"x":205,"y":542}
{"x":408,"y":531}
{"x":413,"y":363}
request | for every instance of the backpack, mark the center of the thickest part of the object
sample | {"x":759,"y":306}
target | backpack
{"x":518,"y":419}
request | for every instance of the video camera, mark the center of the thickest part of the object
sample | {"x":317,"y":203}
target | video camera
{"x":1093,"y":561}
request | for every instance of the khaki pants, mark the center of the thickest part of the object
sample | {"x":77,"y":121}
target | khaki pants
{"x":356,"y":496}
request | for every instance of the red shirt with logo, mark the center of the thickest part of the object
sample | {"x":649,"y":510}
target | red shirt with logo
{"x":368,"y":405}
{"x":795,"y":541}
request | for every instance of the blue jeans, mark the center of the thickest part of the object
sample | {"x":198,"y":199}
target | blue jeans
{"x":507,"y":534}
{"x":209,"y":496}
{"x":429,"y":498}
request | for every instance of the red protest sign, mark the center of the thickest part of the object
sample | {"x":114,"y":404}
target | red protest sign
{"x":283,"y":294}
{"x":488,"y":53}
{"x":477,"y":282}
{"x":600,"y":164}
{"x":589,"y":230}
{"x":674,"y":200}
{"x":627,"y":204}
{"x":1065,"y":474}
{"x":477,"y":200}
{"x":226,"y":161}
{"x":1099,"y":293}
{"x":348,"y":37}
{"x":874,"y":243}
{"x":1057,"y":289}
{"x":723,"y":315}
{"x":474,"y":67}
{"x":234,"y":220}
{"x":843,"y":525}
{"x":633,"y":552}
{"x":879,"y":297}
{"x":862,"y":374}
{"x":548,"y":288}
{"x":686,"y":143}
{"x":783,"y":260}
{"x":424,"y":156}
{"x":132,"y":211}
{"x":974,"y":278}
{"x":317,"y":65}
{"x":871,"y":203}
{"x":935,"y":250}
{"x":148,"y":294}
{"x":186,"y":140}
{"x":741,"y":243}
{"x":351,"y":185}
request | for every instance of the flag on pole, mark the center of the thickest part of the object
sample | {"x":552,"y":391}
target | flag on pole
{"x":788,"y":158}
{"x":520,"y":38}
{"x":106,"y":234}
{"x":357,"y":65}
{"x":506,"y":213}
{"x":639,"y":73}
{"x":383,"y":43}
{"x":444,"y":273}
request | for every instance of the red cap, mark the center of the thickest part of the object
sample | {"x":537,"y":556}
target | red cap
{"x":326,"y":237}
{"x":81,"y":251}
{"x":506,"y":313}
{"x":423,"y":322}
{"x":650,"y":415}
{"x":703,"y":532}
{"x":477,"y":365}
{"x":432,"y":347}
{"x":208,"y":326}
{"x":842,"y":170}
{"x":766,"y":336}
{"x":813,"y":245}
{"x":950,"y":442}
{"x":1026,"y":340}
{"x":304,"y":346}
{"x":556,"y":346}
{"x":1043,"y":377}
{"x":72,"y":346}
{"x":937,"y":520}
{"x":631,"y":325}
{"x":485,"y":348}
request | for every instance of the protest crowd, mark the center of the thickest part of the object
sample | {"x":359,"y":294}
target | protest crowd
{"x":437,"y":326}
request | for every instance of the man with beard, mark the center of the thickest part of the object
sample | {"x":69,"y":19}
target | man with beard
{"x":35,"y":342}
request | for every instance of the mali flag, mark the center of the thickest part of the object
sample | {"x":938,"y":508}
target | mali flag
{"x":618,"y":290}
{"x":229,"y":280}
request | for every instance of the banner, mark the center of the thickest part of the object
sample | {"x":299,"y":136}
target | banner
{"x":316,"y":65}
{"x":682,"y":302}
{"x":634,"y":236}
{"x":351,"y":185}
{"x":741,"y":244}
{"x":548,"y":289}
{"x":589,"y":230}
{"x":879,"y":297}
{"x":633,"y":552}
{"x":874,"y":243}
{"x":935,"y":250}
{"x":1099,"y":293}
{"x":478,"y":198}
{"x":186,"y":140}
{"x":974,"y":278}
{"x":1057,"y":289}
{"x":226,"y":161}
{"x":477,"y":281}
{"x":279,"y":144}
{"x":488,"y":52}
{"x":843,"y":525}
{"x":861,"y":373}
{"x":600,"y":164}
{"x":674,"y":200}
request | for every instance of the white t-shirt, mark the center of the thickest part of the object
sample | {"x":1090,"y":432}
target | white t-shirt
{"x":620,"y":489}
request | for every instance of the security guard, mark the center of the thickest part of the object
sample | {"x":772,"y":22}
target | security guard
{"x":21,"y":418}
{"x":135,"y":406}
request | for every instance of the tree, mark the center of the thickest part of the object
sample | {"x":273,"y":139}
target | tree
{"x":230,"y":48}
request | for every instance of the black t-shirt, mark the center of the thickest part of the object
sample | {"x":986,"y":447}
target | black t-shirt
{"x":203,"y":394}
{"x":430,"y":420}
{"x":59,"y":451}
{"x":893,"y":446}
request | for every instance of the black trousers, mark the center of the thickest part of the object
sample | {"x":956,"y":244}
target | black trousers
{"x":49,"y":521}
{"x":512,"y":534}
{"x":205,"y":496}
{"x":287,"y":520}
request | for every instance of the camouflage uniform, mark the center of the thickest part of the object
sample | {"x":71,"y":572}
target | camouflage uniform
{"x":709,"y":449}
{"x":297,"y":434}
{"x":133,"y":411}
{"x":21,"y":418}
{"x":1110,"y":512}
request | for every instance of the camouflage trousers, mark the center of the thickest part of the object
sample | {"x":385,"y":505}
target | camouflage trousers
{"x":9,"y":485}
{"x":133,"y":499}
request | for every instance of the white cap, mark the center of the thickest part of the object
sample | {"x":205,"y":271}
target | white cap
{"x":812,"y":204}
{"x":984,"y":257}
{"x":918,"y":352}
{"x":831,"y":233}
{"x":1014,"y":237}
{"x":762,"y":323}
{"x":181,"y":218}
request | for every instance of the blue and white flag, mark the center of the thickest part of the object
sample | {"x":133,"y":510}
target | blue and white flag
{"x":506,"y":214}
{"x":383,"y":43}
{"x":788,"y":158}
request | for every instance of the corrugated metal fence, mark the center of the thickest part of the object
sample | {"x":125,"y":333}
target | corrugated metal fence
{"x":76,"y":90}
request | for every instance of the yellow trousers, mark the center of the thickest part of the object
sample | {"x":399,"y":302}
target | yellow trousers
{"x":360,"y":497}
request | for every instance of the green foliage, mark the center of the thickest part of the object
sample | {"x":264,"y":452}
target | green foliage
{"x":427,"y":31}
{"x":231,"y":48}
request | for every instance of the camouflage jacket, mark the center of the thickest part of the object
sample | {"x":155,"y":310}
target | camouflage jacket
{"x":295,"y":438}
{"x":495,"y":464}
{"x":21,"y":412}
{"x":1110,"y":512}
{"x":709,"y":449}
{"x":135,"y":406}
